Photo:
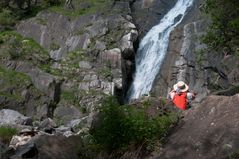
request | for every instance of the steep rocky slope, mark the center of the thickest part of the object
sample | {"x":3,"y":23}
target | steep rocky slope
{"x":208,"y":130}
{"x":56,"y":68}
{"x":79,"y":61}
{"x":188,"y":60}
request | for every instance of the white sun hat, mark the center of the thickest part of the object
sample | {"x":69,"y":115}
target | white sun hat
{"x":181,"y":86}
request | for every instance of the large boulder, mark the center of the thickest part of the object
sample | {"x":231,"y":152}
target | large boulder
{"x":64,"y":114}
{"x":12,"y":117}
{"x":208,"y":130}
{"x":48,"y":147}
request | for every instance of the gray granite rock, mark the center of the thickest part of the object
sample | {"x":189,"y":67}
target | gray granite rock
{"x":12,"y":117}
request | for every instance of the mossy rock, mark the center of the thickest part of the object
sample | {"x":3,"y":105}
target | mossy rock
{"x":83,"y":7}
{"x":15,"y":47}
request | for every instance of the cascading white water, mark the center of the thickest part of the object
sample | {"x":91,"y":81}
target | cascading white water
{"x":153,"y":48}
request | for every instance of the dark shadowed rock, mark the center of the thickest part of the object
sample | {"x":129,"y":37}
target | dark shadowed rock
{"x":48,"y":147}
{"x":3,"y":147}
{"x":26,"y":151}
{"x":47,"y":124}
{"x":127,"y":44}
{"x":147,"y":13}
{"x":59,"y":147}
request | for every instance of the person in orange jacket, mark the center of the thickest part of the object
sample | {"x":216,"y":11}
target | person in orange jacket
{"x":181,"y":96}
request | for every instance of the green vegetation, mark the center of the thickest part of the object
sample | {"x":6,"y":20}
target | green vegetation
{"x":122,"y":126}
{"x":82,"y":7}
{"x":69,"y":66}
{"x":11,"y":11}
{"x":41,"y":21}
{"x":223,"y":33}
{"x":70,"y":97}
{"x":14,"y":46}
{"x":74,"y":97}
{"x":7,"y":17}
{"x":13,"y":80}
{"x":105,"y":72}
{"x":6,"y":133}
{"x":54,"y":46}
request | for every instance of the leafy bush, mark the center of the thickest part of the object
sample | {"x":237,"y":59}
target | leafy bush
{"x":6,"y":17}
{"x":121,"y":126}
{"x":223,"y":33}
{"x":6,"y":133}
{"x":52,"y":2}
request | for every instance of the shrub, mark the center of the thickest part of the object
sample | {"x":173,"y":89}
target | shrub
{"x":222,"y":33}
{"x":6,"y":17}
{"x":52,"y":2}
{"x":121,"y":126}
{"x":6,"y":133}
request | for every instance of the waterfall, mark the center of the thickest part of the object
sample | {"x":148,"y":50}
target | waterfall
{"x":152,"y":50}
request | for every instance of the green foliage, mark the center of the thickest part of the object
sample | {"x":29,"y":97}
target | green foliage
{"x":15,"y":47}
{"x":41,"y":21}
{"x":82,"y":7}
{"x":121,"y":126}
{"x":12,"y":80}
{"x":54,"y":46}
{"x":105,"y":72}
{"x":223,"y":33}
{"x":4,"y":3}
{"x":6,"y":17}
{"x":11,"y":11}
{"x":49,"y":3}
{"x":6,"y":133}
{"x":71,"y":97}
{"x":200,"y":56}
{"x":68,"y":66}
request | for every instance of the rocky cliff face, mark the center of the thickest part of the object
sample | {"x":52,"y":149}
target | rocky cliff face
{"x":89,"y":56}
{"x":72,"y":62}
{"x":147,"y":13}
{"x":205,"y":72}
{"x":59,"y":67}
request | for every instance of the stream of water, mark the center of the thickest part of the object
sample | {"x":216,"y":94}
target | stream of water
{"x":153,"y":48}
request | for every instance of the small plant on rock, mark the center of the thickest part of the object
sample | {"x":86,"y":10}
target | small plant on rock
{"x":6,"y":133}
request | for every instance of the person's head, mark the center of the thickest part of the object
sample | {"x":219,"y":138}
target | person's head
{"x":180,"y":86}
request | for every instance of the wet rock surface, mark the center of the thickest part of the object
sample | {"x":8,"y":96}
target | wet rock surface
{"x":147,"y":13}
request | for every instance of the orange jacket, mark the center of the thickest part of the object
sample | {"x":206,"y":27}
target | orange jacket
{"x":180,"y":100}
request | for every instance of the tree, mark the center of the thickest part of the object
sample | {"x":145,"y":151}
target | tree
{"x":223,"y":32}
{"x":23,"y":4}
{"x":4,"y":3}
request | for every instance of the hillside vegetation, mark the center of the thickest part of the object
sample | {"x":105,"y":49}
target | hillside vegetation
{"x":223,"y":32}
